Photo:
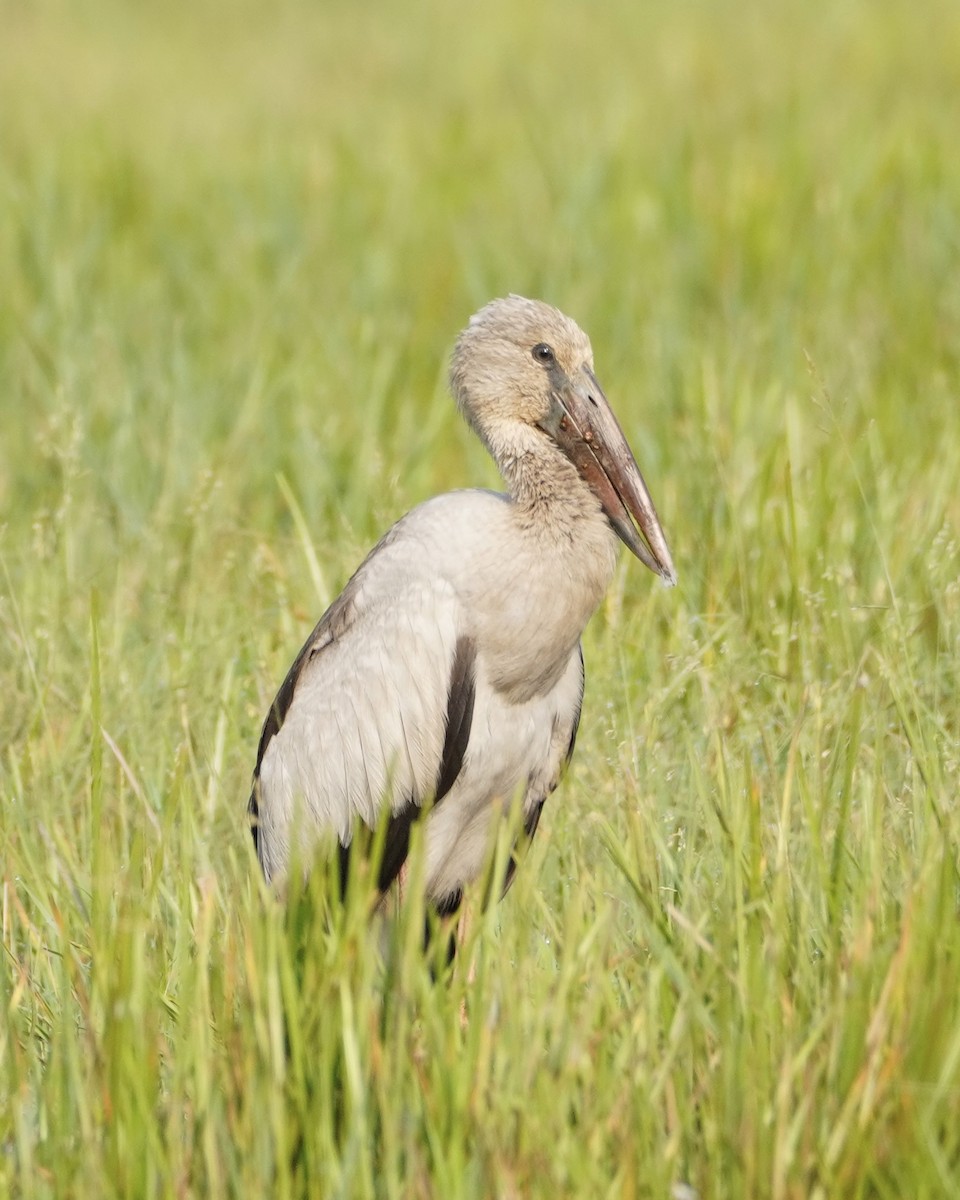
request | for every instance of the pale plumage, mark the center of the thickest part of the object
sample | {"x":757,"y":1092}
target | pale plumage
{"x":448,"y":676}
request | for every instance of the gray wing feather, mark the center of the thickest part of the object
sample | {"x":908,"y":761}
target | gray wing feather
{"x":376,"y":709}
{"x":332,"y":623}
{"x":461,"y":694}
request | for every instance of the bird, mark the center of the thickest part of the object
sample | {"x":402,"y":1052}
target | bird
{"x":445,"y":682}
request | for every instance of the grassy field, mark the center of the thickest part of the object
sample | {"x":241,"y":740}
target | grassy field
{"x":236,"y":244}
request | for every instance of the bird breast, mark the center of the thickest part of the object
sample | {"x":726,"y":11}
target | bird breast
{"x":527,"y":591}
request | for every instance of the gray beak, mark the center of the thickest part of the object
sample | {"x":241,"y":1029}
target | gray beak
{"x":584,"y":427}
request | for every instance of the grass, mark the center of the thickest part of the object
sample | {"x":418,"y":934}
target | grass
{"x":236,"y":244}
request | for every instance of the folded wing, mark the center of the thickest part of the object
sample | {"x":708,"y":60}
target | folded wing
{"x":376,"y":710}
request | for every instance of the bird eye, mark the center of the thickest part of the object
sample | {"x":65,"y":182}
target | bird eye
{"x":543,"y":354}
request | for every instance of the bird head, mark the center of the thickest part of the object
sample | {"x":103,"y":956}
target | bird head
{"x":521,"y":364}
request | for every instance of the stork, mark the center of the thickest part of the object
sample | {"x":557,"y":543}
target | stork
{"x":445,"y":681}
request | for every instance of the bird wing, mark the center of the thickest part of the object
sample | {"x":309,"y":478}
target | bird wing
{"x":377,"y":708}
{"x":518,"y":752}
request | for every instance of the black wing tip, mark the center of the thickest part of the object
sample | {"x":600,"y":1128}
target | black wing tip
{"x":396,"y":847}
{"x":449,"y":904}
{"x":461,"y":696}
{"x":253,"y":813}
{"x":572,"y":744}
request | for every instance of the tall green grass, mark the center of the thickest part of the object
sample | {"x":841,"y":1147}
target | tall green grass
{"x":236,"y":243}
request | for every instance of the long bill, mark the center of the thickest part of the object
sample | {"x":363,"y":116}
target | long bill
{"x":584,"y":427}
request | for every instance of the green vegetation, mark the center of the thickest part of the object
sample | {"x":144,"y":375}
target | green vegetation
{"x":236,"y":243}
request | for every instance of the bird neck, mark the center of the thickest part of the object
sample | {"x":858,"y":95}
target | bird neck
{"x":550,"y":574}
{"x":548,"y":494}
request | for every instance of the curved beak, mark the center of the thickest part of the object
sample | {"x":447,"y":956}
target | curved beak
{"x":582,"y":424}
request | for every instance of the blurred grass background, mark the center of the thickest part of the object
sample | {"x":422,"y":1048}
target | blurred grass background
{"x":236,"y":243}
